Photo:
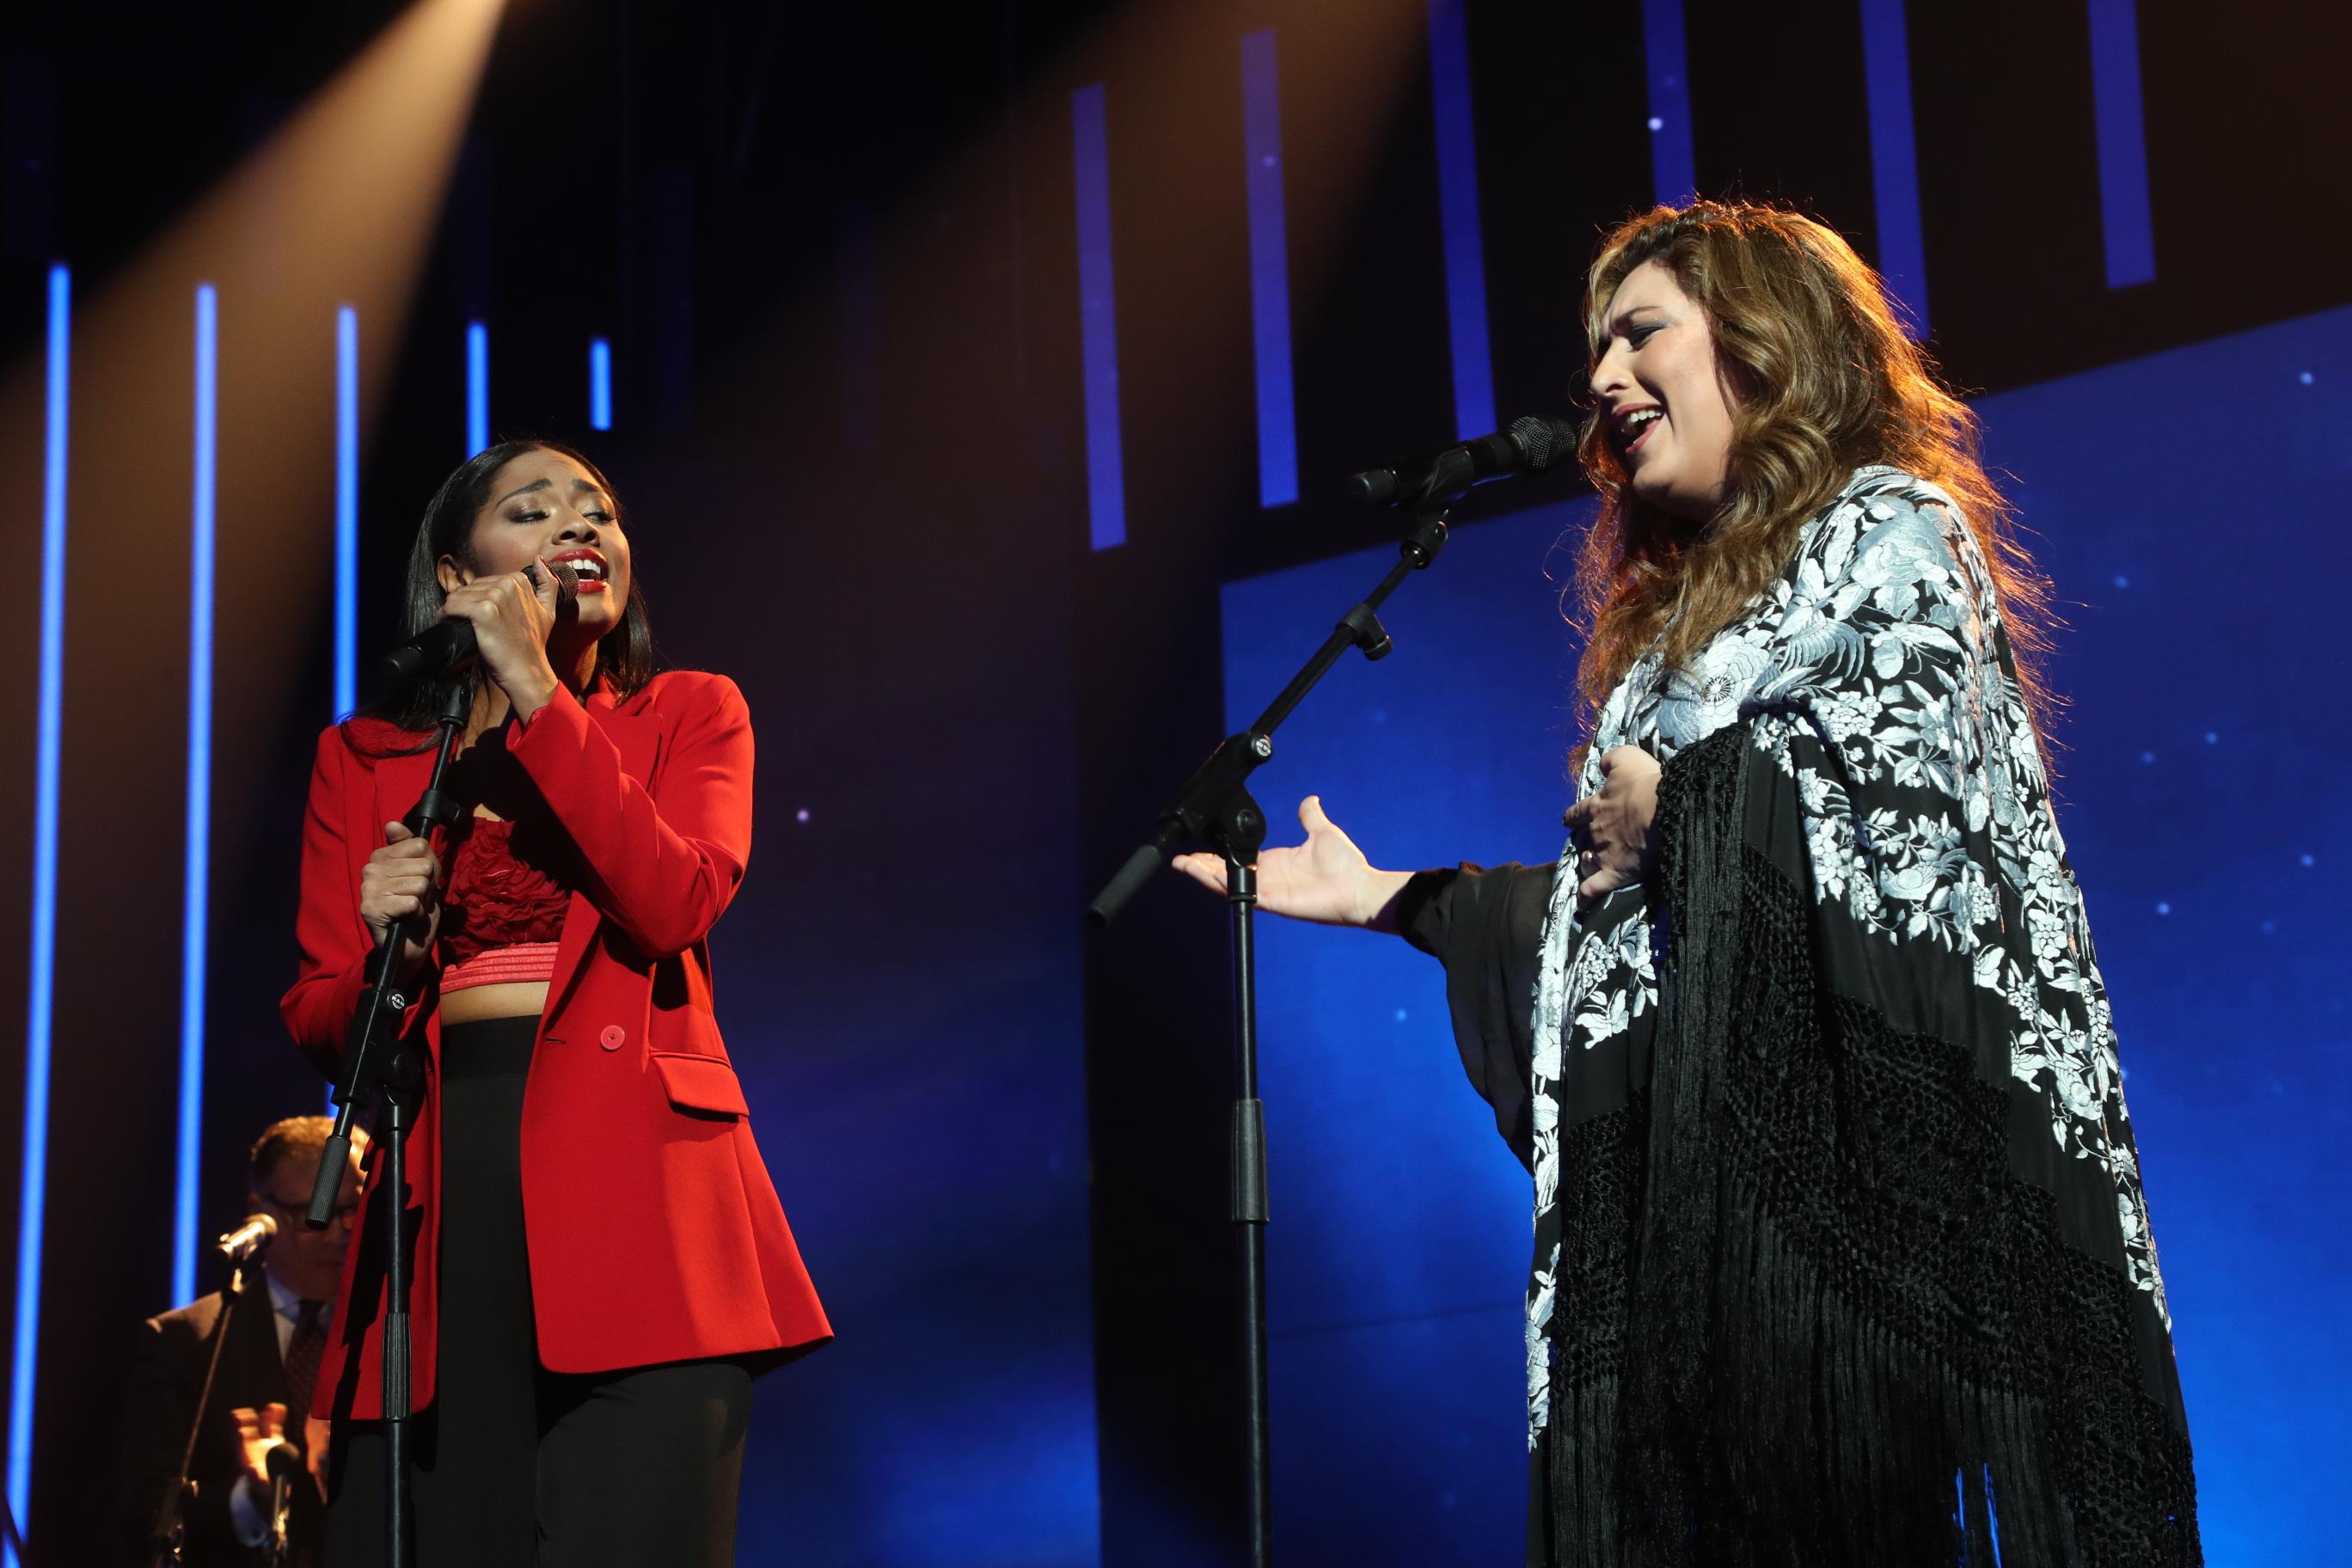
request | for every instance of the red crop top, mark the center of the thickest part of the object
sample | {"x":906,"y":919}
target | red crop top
{"x":503,"y":911}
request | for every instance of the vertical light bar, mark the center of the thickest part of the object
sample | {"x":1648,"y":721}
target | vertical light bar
{"x":32,"y":1191}
{"x":477,"y":387}
{"x":1457,"y":206}
{"x":1673,"y":166}
{"x":1097,"y":321}
{"x":1277,"y":436}
{"x":600,"y":384}
{"x":2123,"y":143}
{"x":347,"y":525}
{"x":347,"y":511}
{"x":196,"y":879}
{"x":1894,"y":161}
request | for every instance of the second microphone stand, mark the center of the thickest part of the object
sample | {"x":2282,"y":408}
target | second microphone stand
{"x":167,"y":1541}
{"x":1216,"y":805}
{"x":380,"y":1063}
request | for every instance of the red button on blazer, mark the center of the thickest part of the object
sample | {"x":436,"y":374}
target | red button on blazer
{"x":655,"y":1233}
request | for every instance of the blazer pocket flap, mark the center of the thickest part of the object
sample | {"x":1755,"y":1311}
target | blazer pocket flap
{"x":700,"y":1083}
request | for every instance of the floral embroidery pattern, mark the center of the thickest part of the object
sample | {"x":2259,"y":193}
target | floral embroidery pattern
{"x":1879,"y":681}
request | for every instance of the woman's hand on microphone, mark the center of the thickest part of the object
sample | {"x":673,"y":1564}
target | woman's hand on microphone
{"x":402,"y":881}
{"x":512,"y":617}
{"x":1326,"y":879}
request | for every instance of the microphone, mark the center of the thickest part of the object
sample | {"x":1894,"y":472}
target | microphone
{"x":240,"y":1245}
{"x":285,"y":1460}
{"x":447,"y":646}
{"x":440,"y":648}
{"x":1529,"y":446}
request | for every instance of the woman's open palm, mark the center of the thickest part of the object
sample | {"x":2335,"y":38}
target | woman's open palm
{"x":1326,"y":879}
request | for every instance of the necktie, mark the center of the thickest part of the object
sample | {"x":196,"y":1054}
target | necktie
{"x":302,"y":1353}
{"x":303,"y":1350}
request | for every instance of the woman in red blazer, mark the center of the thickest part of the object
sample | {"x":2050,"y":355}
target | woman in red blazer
{"x":602,"y":1262}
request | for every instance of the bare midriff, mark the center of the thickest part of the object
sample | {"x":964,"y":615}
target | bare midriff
{"x":514,"y":999}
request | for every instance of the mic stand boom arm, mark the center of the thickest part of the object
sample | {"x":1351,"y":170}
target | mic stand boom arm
{"x":1215,"y":805}
{"x":1208,"y":796}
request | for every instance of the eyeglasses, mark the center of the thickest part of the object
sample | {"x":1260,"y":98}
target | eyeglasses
{"x":343,"y":1213}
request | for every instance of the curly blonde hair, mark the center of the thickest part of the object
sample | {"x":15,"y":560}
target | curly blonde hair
{"x":1824,"y":380}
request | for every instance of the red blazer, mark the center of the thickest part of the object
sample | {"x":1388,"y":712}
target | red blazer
{"x":655,"y":1233}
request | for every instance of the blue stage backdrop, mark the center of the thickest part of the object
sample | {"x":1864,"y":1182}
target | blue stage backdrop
{"x":2194,"y":509}
{"x":910,"y":1043}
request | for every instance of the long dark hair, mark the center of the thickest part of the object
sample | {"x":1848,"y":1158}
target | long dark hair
{"x":624,"y":657}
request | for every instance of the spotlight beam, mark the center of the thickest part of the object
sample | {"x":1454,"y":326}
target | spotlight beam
{"x":337,"y":209}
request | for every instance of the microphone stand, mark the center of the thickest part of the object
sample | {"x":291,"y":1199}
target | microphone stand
{"x":169,"y":1537}
{"x":1215,"y":805}
{"x":380,"y":1065}
{"x":281,"y":1504}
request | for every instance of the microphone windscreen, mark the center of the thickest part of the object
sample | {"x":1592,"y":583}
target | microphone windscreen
{"x":1545,"y":440}
{"x":284,"y":1459}
{"x":257,"y":1232}
{"x":567,"y":582}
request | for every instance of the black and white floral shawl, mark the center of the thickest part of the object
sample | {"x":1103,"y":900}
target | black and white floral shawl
{"x":1841,"y":1255}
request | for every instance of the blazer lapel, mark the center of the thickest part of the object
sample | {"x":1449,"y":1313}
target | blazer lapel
{"x":635,"y":733}
{"x":398,"y":781}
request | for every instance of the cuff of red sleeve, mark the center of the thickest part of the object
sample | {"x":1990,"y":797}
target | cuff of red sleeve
{"x":560,"y":695}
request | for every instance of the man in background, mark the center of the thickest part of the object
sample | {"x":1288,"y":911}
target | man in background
{"x":268,"y":1368}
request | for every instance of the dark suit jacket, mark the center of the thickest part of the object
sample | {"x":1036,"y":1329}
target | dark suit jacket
{"x":166,"y":1377}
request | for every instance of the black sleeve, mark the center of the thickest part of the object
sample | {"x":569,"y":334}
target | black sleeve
{"x":1486,"y":927}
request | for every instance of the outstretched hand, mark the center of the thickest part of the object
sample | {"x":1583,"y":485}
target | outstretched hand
{"x":1613,"y":825}
{"x":1326,"y":879}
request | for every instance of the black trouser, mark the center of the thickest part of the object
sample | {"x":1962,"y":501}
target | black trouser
{"x":515,"y":1465}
